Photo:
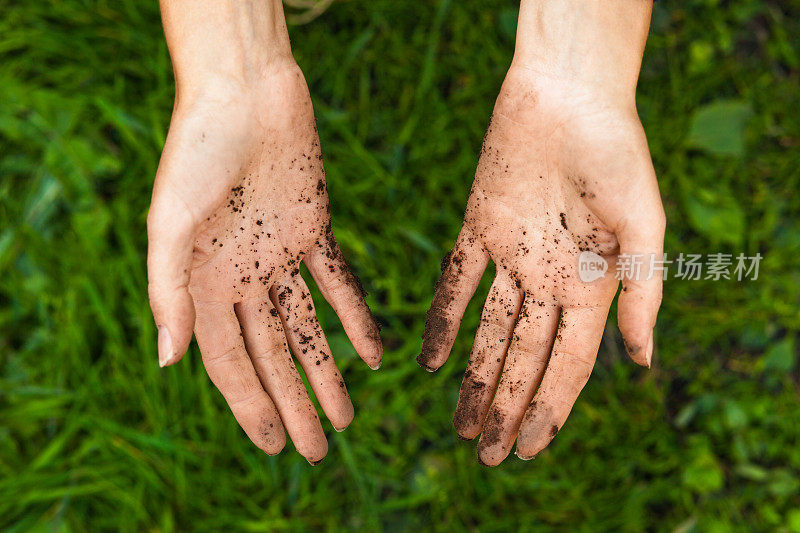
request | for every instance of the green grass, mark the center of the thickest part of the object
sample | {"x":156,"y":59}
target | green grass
{"x":94,"y":436}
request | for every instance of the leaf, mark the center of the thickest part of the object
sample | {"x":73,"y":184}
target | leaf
{"x":701,"y":55}
{"x":793,"y":520}
{"x":783,"y":483}
{"x":715,"y":214}
{"x":719,"y":127}
{"x":700,"y":406}
{"x":781,"y":357}
{"x":686,"y":415}
{"x":420,"y":240}
{"x":752,"y":472}
{"x":735,"y":416}
{"x":703,"y":474}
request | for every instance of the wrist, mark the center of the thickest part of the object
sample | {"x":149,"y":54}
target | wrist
{"x":224,"y":46}
{"x":584,"y":44}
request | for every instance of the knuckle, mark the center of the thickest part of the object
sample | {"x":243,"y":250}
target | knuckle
{"x":576,"y":359}
{"x":533,"y":345}
{"x":336,"y":287}
{"x":247,"y":398}
{"x":354,"y":314}
{"x":303,"y":320}
{"x":496,"y":323}
{"x":271,"y":347}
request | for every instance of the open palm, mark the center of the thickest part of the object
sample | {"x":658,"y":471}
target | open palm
{"x":561,"y":173}
{"x":240,"y":200}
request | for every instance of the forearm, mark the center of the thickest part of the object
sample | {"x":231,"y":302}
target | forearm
{"x":228,"y":42}
{"x":591,"y":42}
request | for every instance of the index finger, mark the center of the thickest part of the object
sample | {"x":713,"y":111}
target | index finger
{"x":343,"y":290}
{"x":462,"y":269}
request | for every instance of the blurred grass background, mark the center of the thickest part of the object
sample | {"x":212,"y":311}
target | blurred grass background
{"x":94,"y":436}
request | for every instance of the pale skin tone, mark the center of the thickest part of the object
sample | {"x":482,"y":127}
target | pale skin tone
{"x":564,"y":168}
{"x":240,"y":200}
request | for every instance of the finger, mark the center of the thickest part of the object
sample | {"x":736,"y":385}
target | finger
{"x":266,"y":343}
{"x":641,"y":242}
{"x":525,"y":363}
{"x":580,"y":331}
{"x":488,"y":353}
{"x":639,"y":222}
{"x":231,"y":370}
{"x":308,"y":343}
{"x":343,"y":290}
{"x":170,"y":237}
{"x":462,"y":269}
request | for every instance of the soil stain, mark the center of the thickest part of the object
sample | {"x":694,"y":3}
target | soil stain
{"x":437,"y":322}
{"x":492,"y":429}
{"x":336,"y":262}
{"x":632,"y":349}
{"x":468,"y":414}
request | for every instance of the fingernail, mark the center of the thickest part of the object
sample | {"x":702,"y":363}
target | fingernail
{"x":421,"y":362}
{"x":376,"y":367}
{"x":524,"y":457}
{"x":650,"y":346}
{"x":314,"y":463}
{"x":164,"y":346}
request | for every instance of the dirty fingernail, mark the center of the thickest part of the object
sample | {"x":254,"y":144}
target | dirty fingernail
{"x":649,"y":352}
{"x":422,"y":361}
{"x":524,"y":457}
{"x":164,"y":346}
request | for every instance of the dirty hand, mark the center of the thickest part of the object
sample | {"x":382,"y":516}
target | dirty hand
{"x":564,"y":171}
{"x":240,"y":199}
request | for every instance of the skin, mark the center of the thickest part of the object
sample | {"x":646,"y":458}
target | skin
{"x":564,"y":169}
{"x":240,"y":200}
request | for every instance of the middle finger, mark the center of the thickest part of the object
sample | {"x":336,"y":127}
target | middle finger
{"x":307,"y":340}
{"x":527,"y":358}
{"x":266,"y":343}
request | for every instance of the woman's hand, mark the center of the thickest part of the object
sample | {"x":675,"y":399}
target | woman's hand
{"x":565,"y":169}
{"x":240,"y":200}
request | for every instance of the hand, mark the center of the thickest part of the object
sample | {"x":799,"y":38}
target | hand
{"x":562,"y":170}
{"x":240,"y":200}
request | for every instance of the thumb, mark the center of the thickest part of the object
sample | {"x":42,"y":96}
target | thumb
{"x":640,"y":264}
{"x":628,"y":200}
{"x":170,"y":235}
